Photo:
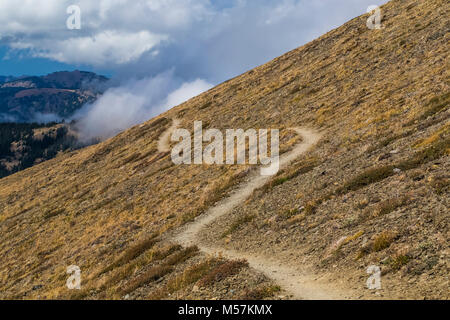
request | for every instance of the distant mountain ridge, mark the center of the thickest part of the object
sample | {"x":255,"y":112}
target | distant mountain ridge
{"x":59,"y":94}
{"x":4,"y":79}
{"x":374,"y":191}
{"x":61,"y":80}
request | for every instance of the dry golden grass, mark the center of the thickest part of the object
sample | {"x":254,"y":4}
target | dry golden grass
{"x":382,"y":241}
{"x":223,"y":271}
{"x":88,"y":206}
{"x":133,"y":252}
{"x":151,"y":275}
{"x":190,"y":275}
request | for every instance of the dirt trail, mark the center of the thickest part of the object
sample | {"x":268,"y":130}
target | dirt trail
{"x":292,"y":279}
{"x":164,"y":139}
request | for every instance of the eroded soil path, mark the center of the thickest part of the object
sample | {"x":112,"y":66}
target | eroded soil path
{"x":292,"y":279}
{"x":164,"y":139}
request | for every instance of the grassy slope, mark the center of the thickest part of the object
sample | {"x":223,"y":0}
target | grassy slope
{"x":362,"y":86}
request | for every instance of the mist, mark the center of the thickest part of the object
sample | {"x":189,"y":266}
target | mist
{"x":133,"y":102}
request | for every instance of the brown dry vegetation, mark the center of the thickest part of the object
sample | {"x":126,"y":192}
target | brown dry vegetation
{"x":381,"y":97}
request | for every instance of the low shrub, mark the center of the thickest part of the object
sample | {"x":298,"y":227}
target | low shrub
{"x":151,"y":275}
{"x":54,"y":213}
{"x":181,"y":256}
{"x":436,"y":105}
{"x":126,"y":270}
{"x":438,"y":149}
{"x":441,"y":185}
{"x":260,"y":293}
{"x":223,"y":271}
{"x":390,"y":205}
{"x":191,"y":275}
{"x":133,"y":252}
{"x":399,"y":261}
{"x":383,"y":241}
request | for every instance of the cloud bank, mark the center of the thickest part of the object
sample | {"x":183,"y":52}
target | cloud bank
{"x":133,"y":102}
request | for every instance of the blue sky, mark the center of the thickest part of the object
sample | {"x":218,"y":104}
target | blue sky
{"x":18,"y":65}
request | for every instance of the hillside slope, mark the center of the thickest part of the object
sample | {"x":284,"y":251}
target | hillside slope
{"x":374,"y":190}
{"x":24,"y":144}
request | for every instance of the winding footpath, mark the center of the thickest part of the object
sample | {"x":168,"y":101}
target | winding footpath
{"x":164,"y":139}
{"x":290,"y":278}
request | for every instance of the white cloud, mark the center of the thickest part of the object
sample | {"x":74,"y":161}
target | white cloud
{"x":113,"y":32}
{"x":30,"y":16}
{"x":108,"y":47}
{"x":134,"y":102}
{"x":187,"y":91}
